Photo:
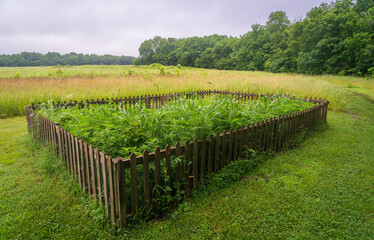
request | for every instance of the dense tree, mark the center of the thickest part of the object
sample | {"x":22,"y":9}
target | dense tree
{"x":54,"y":58}
{"x":335,"y":38}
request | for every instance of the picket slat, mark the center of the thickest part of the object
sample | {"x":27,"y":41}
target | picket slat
{"x":210,"y":154}
{"x":252,"y":145}
{"x":224,"y":142}
{"x":265,"y":134}
{"x":216,"y":155}
{"x":186,"y":168}
{"x":92,"y":171}
{"x":229,"y":157}
{"x":70,"y":150}
{"x":280,"y":132}
{"x":147,"y":189}
{"x":247,"y":135}
{"x":241,"y":144}
{"x":59,"y":139}
{"x":82,"y":165}
{"x":271,"y":136}
{"x":168,"y":167}
{"x":77,"y":160}
{"x":134,"y":184}
{"x":109,"y":164}
{"x":105,"y":182}
{"x":87,"y":168}
{"x":121,"y":193}
{"x":203,"y":154}
{"x":98,"y":172}
{"x":74,"y":156}
{"x":261,"y":135}
{"x":195,"y":162}
{"x":178,"y":170}
{"x":66,"y":148}
{"x":236,"y":143}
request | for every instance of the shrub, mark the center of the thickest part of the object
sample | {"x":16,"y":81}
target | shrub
{"x":17,"y":75}
{"x":162,"y":70}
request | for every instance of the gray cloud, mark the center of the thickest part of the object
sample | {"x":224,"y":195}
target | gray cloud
{"x":119,"y":27}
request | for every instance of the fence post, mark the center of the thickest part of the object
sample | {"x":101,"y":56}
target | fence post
{"x":327,"y":104}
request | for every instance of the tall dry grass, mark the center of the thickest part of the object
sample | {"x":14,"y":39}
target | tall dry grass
{"x":87,"y":82}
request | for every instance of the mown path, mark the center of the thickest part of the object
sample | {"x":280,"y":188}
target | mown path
{"x":322,"y":189}
{"x":34,"y":202}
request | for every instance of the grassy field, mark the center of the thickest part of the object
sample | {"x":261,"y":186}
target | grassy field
{"x":40,"y":84}
{"x":323,"y":189}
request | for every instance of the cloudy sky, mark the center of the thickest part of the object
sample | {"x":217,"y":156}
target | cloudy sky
{"x":118,"y":27}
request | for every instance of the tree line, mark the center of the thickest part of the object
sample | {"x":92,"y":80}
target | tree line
{"x":54,"y":58}
{"x":334,"y":38}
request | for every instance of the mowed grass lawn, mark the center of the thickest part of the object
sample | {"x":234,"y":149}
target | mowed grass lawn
{"x":322,"y":189}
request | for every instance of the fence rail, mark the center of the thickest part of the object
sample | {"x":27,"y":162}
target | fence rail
{"x":127,"y":186}
{"x":155,"y":101}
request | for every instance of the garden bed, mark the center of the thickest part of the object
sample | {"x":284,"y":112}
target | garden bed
{"x":213,"y":127}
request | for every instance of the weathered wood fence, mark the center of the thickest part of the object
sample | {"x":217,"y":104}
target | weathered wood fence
{"x":127,"y":186}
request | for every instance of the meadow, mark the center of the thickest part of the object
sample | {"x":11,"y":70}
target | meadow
{"x":320,"y":189}
{"x":23,"y":86}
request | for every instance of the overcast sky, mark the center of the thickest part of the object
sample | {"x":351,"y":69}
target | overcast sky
{"x":119,"y":27}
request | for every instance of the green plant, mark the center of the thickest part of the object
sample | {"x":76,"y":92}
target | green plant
{"x":59,"y":73}
{"x":121,"y":131}
{"x":17,"y":75}
{"x":162,"y":70}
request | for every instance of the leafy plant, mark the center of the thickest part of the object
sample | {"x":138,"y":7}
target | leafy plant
{"x":17,"y":75}
{"x":162,"y":70}
{"x":120,"y":130}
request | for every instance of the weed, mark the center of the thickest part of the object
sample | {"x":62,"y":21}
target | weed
{"x":17,"y":75}
{"x":162,"y":70}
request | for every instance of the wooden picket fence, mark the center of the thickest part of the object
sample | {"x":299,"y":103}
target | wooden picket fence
{"x":126,"y":187}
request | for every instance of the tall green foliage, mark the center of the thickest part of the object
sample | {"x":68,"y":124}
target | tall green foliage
{"x":120,"y":131}
{"x":335,"y":38}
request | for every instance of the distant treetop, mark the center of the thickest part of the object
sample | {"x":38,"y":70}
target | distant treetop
{"x":335,"y":38}
{"x":53,"y":58}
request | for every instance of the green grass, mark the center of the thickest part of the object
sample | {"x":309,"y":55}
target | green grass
{"x":323,"y":189}
{"x":35,"y":84}
{"x":37,"y":198}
